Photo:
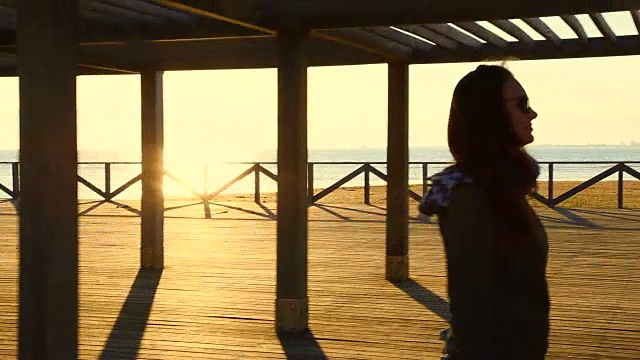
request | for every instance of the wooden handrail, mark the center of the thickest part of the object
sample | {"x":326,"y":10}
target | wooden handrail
{"x":366,"y":168}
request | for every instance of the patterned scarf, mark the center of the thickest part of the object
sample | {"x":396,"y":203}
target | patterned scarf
{"x":440,"y":186}
{"x":436,"y":200}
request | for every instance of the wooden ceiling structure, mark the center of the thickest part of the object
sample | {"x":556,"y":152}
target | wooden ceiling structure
{"x":123,"y":36}
{"x":48,"y":43}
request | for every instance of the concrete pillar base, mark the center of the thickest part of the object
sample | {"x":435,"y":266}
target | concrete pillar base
{"x":397,"y":268}
{"x":292,"y":315}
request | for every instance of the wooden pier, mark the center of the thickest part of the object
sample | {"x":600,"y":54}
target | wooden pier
{"x":215,"y":297}
{"x":224,"y":279}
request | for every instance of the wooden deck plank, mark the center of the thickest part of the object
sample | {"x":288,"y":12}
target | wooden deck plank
{"x":215,"y":298}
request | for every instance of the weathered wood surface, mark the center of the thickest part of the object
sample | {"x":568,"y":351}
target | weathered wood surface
{"x":215,"y":298}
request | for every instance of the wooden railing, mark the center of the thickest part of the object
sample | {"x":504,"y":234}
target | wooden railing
{"x":620,"y":168}
{"x":107,"y":195}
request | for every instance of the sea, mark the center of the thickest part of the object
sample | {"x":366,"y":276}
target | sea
{"x":188,"y":178}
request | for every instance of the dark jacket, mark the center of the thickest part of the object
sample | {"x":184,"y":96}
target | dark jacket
{"x":499,"y":295}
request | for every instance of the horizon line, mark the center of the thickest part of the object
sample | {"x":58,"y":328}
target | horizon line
{"x":631,"y":144}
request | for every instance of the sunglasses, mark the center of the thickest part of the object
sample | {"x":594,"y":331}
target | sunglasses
{"x":522,"y":102}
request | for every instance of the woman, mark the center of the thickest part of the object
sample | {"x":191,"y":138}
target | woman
{"x":495,"y":245}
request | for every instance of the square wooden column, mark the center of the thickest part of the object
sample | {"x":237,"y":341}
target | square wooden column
{"x":152,"y":245}
{"x":397,"y":261}
{"x":48,"y":289}
{"x":292,"y":302}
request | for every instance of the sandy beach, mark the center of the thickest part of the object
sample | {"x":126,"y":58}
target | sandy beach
{"x":602,"y":195}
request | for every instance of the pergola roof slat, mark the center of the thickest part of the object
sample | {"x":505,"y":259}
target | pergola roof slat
{"x":110,"y":9}
{"x":454,"y":34}
{"x":191,"y":8}
{"x":543,"y":29}
{"x":603,"y":27}
{"x":571,"y":48}
{"x":93,"y":16}
{"x":576,"y":26}
{"x":513,"y":30}
{"x":370,"y":13}
{"x":483,"y":33}
{"x":152,"y":9}
{"x":201,"y":34}
{"x":374,"y":41}
{"x":364,"y":40}
{"x":432,"y":36}
{"x":398,"y":37}
{"x":635,"y":14}
{"x":215,"y":13}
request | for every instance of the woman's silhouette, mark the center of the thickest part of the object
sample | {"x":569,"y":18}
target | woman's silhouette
{"x":496,"y":247}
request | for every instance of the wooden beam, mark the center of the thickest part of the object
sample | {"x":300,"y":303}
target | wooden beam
{"x":261,"y":52}
{"x":99,"y":69}
{"x":8,"y":71}
{"x":144,"y":7}
{"x":12,"y":71}
{"x":322,"y":14}
{"x":108,"y":62}
{"x":372,"y":43}
{"x":576,"y":26}
{"x":291,"y":289}
{"x":96,"y":32}
{"x":48,"y":289}
{"x":602,"y":25}
{"x":212,"y":12}
{"x":257,"y":52}
{"x":200,"y":9}
{"x":88,"y":65}
{"x":542,"y":29}
{"x":570,"y":49}
{"x":107,"y":9}
{"x":397,"y":259}
{"x":152,"y":222}
{"x":387,"y":49}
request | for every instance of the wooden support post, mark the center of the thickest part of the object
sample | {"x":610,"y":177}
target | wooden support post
{"x":107,"y":181}
{"x":256,"y":192}
{"x":292,"y":301}
{"x":425,"y":176}
{"x":621,"y":187}
{"x":397,"y":261}
{"x":550,"y":184}
{"x":310,"y":186}
{"x":152,"y":246}
{"x":48,"y":290}
{"x":15,"y":177}
{"x":367,"y":185}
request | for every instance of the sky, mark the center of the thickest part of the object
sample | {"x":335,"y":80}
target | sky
{"x":234,"y":113}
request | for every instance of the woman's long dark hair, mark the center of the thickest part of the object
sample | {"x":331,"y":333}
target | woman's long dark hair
{"x":484,"y":145}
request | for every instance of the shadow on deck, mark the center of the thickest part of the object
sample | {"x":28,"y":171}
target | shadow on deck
{"x":215,"y":297}
{"x":126,"y":335}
